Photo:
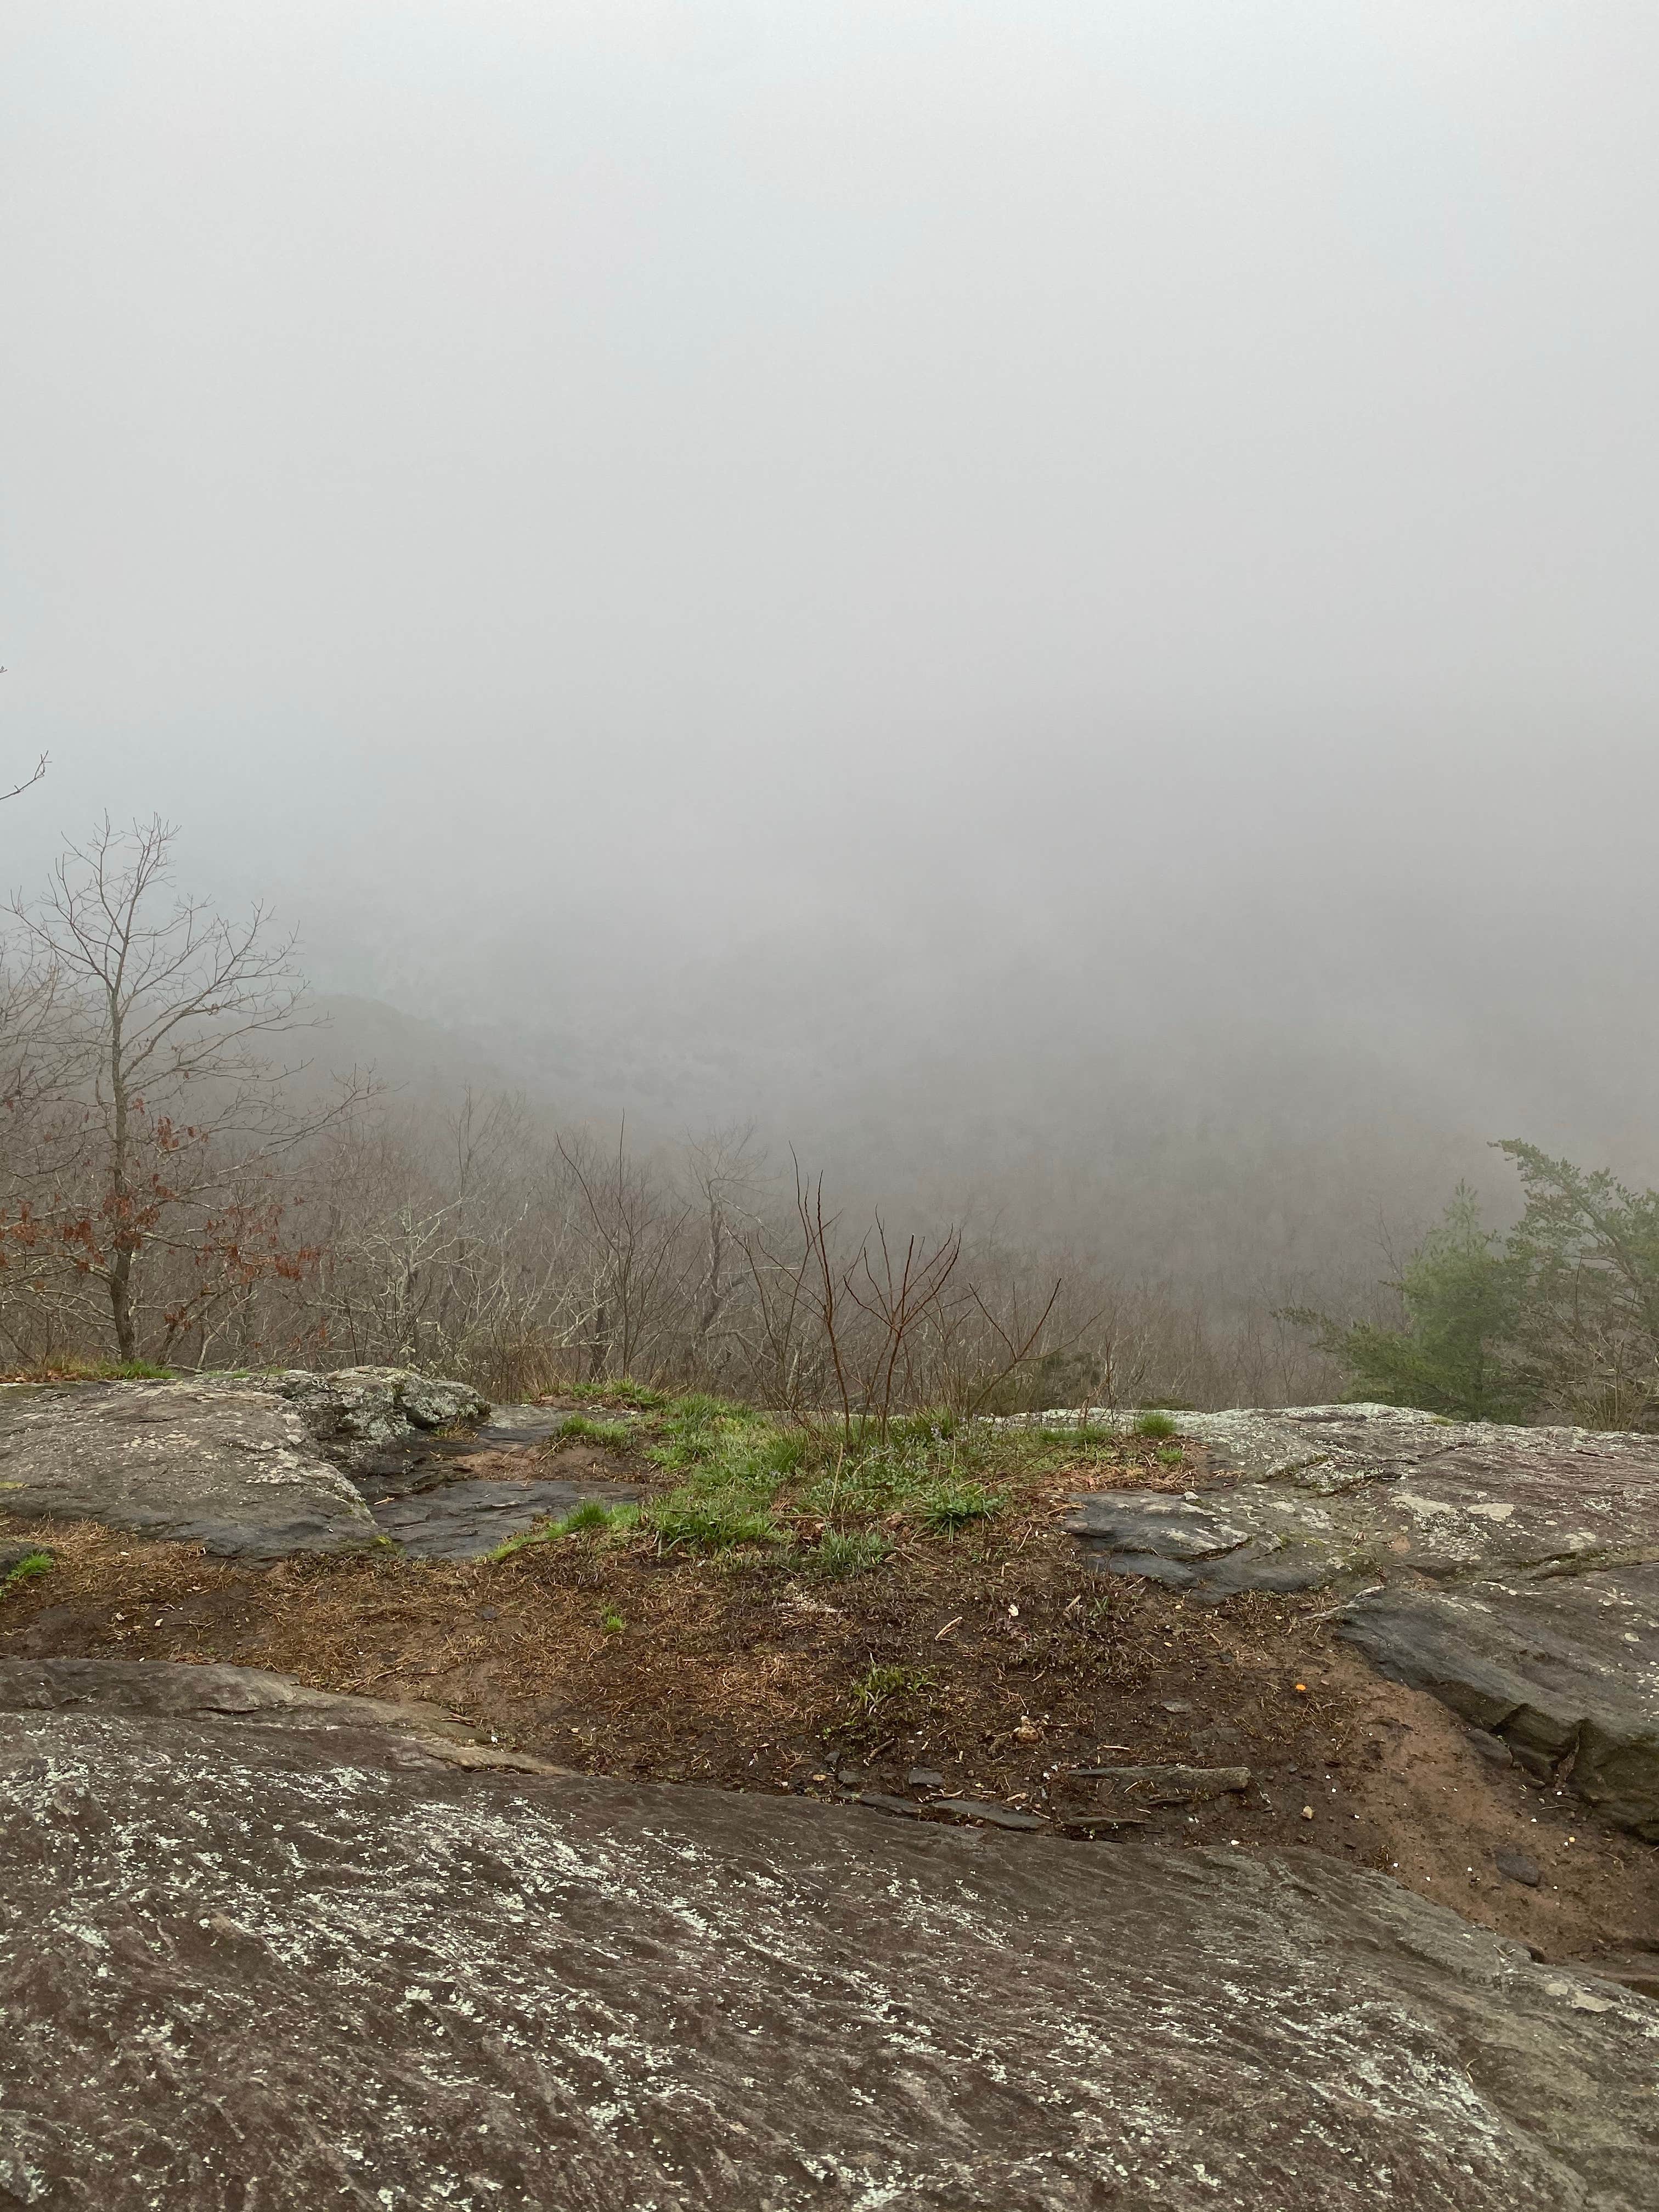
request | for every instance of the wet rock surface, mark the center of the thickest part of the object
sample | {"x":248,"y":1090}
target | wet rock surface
{"x":268,"y":1468}
{"x":465,"y":1519}
{"x":1513,"y":1573}
{"x":293,"y":1957}
{"x":232,"y":1467}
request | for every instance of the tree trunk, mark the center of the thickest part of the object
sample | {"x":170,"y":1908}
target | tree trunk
{"x":120,"y":1273}
{"x":120,"y":1299}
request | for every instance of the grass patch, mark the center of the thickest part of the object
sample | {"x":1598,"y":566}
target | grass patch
{"x":1156,"y":1424}
{"x":716,"y":1523}
{"x":839,"y":1553}
{"x":614,"y":1435}
{"x":954,"y":1505}
{"x":878,"y":1686}
{"x":613,"y":1624}
{"x":589,"y":1515}
{"x":1087,"y":1436}
{"x":738,"y":1479}
{"x":25,"y":1571}
{"x":741,"y":1476}
{"x":622,"y":1391}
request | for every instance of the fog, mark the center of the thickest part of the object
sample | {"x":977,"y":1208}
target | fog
{"x":1053,"y":602}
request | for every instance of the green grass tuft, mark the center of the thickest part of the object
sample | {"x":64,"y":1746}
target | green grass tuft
{"x":613,"y":1624}
{"x":590,"y":1515}
{"x":953,"y":1506}
{"x":1155,"y":1423}
{"x":715,"y":1523}
{"x":25,"y":1571}
{"x":837,"y":1554}
{"x":880,"y":1686}
{"x":614,"y":1435}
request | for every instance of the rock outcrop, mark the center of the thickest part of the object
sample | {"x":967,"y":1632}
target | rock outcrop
{"x":355,"y":1409}
{"x":264,"y":1467}
{"x":290,"y":1956}
{"x":226,"y":1465}
{"x":1514,"y":1572}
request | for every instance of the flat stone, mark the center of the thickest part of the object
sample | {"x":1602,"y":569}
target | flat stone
{"x":1212,"y":1739}
{"x":284,"y":1959}
{"x":463,"y":1520}
{"x":1490,"y":1747}
{"x":1517,"y":1867}
{"x":1346,"y":1494}
{"x":165,"y":1689}
{"x":230,"y":1466}
{"x":995,"y":1816}
{"x":925,"y":1778}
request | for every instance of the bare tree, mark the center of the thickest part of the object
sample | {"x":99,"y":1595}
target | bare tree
{"x":637,"y":1225}
{"x":170,"y":1118}
{"x":29,"y":781}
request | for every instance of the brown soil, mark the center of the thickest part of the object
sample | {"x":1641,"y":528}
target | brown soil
{"x":1020,"y":1665}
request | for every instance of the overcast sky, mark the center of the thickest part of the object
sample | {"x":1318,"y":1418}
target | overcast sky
{"x":979,"y":514}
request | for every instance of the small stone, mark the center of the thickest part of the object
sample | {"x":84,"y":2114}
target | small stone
{"x":996,"y":1816}
{"x":1490,"y":1746}
{"x":924,"y":1778}
{"x":1307,"y":1812}
{"x":1207,"y":1739}
{"x":878,"y":1802}
{"x":1177,"y":1705}
{"x":849,"y":1777}
{"x":1518,"y":1867}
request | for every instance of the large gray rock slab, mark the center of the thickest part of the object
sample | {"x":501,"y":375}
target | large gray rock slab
{"x":1511,"y":1571}
{"x":263,"y":1468}
{"x":1329,"y":1495}
{"x":269,"y":1962}
{"x":1331,"y":1449}
{"x":230,"y":1466}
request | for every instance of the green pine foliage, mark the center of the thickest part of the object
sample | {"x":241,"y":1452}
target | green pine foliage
{"x":1556,"y":1321}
